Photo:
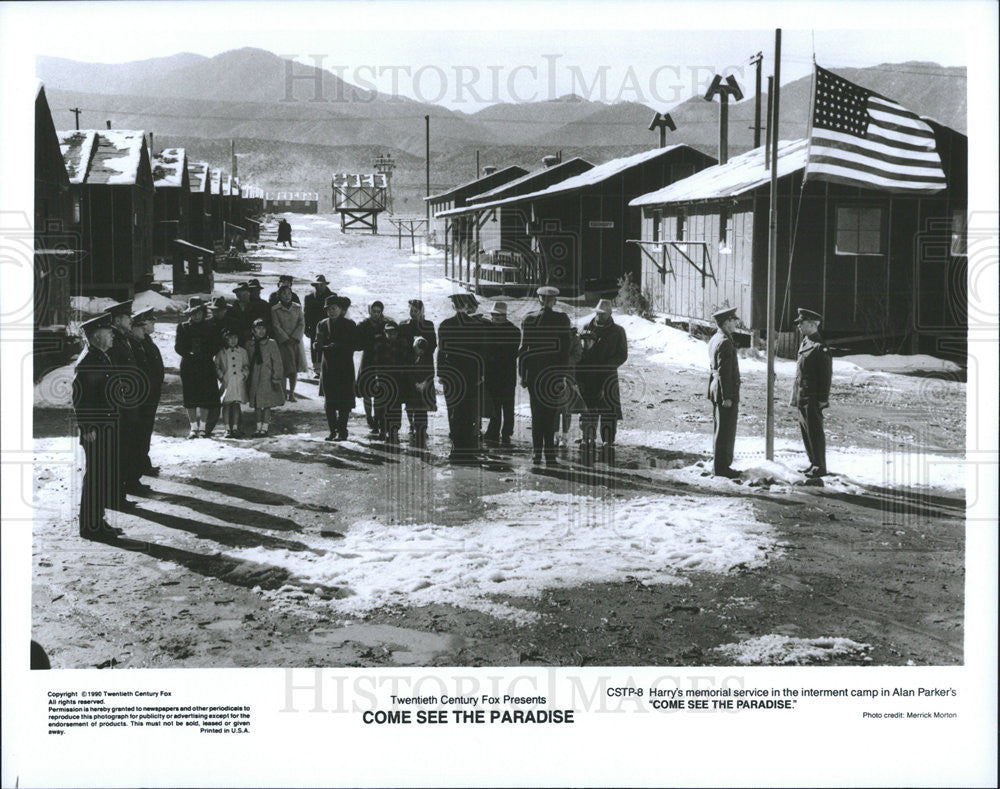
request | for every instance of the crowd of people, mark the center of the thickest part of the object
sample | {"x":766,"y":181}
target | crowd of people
{"x":250,"y":352}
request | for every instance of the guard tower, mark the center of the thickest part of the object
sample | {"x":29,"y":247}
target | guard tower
{"x":359,"y":198}
{"x":385,"y":164}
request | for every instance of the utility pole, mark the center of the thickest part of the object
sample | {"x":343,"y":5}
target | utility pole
{"x":767,"y":144}
{"x":477,"y":163}
{"x":76,"y":111}
{"x":772,"y":250}
{"x":724,"y":89}
{"x":427,"y":137}
{"x":756,"y":60}
{"x":661,"y":122}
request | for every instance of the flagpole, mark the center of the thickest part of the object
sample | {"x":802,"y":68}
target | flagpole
{"x":772,"y":251}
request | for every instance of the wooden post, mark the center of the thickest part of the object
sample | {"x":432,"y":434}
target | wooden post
{"x":757,"y":60}
{"x":772,"y":250}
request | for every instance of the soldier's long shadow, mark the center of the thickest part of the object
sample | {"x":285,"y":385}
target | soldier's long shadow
{"x":238,"y":572}
{"x":226,"y":535}
{"x":236,"y":491}
{"x":228,"y":512}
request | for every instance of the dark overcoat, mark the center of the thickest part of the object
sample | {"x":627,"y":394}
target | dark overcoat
{"x":335,"y":343}
{"x":196,"y":344}
{"x":597,"y":370}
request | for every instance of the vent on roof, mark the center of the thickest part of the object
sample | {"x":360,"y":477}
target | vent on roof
{"x":550,"y":161}
{"x":489,"y":169}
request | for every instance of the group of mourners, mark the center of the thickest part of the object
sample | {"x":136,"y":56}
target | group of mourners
{"x":250,"y":351}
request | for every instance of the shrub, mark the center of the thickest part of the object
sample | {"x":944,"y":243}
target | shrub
{"x":631,"y":299}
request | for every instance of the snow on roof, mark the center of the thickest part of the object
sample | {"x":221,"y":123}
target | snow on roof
{"x":596,"y":175}
{"x":39,"y":85}
{"x":532,"y":176}
{"x":357,"y":180}
{"x":740,"y":174}
{"x":117,"y":157}
{"x":492,"y":176}
{"x":168,"y":167}
{"x":77,"y":147}
{"x":215,"y":181}
{"x":197,"y":173}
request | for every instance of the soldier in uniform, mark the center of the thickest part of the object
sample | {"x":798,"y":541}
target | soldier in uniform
{"x":724,"y":391}
{"x":97,"y":419}
{"x":461,"y":349}
{"x":154,"y":375}
{"x":543,"y":362}
{"x":131,"y":388}
{"x":811,"y":394}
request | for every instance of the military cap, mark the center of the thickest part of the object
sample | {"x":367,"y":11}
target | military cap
{"x":194,"y":304}
{"x":254,"y":284}
{"x":332,"y":301}
{"x":547,"y":290}
{"x":320,"y":280}
{"x":808,"y":315}
{"x":219,"y":302}
{"x":92,"y":325}
{"x":721,"y":316}
{"x":143,"y":315}
{"x":242,"y":286}
{"x":121,"y":308}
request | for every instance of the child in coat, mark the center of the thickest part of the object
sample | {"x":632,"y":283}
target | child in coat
{"x":232,"y":364}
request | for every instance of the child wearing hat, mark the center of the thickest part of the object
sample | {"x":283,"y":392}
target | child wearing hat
{"x":232,"y":363}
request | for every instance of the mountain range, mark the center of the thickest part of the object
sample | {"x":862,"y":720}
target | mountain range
{"x":291,"y":140}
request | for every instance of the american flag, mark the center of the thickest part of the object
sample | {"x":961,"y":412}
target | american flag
{"x":862,"y":139}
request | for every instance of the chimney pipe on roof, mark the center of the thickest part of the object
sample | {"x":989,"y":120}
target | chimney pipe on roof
{"x":550,"y":161}
{"x":489,"y":169}
{"x":109,"y":123}
{"x":151,"y":143}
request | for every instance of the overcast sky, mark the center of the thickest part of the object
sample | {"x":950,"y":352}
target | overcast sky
{"x":468,"y":54}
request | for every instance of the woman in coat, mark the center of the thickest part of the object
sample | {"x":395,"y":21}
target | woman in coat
{"x":266,"y":375}
{"x":288,"y":325}
{"x":196,"y":344}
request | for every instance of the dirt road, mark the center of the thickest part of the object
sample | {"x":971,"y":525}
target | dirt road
{"x":290,"y":551}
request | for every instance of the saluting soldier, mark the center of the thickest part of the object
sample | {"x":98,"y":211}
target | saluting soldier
{"x":97,"y":418}
{"x":724,"y":391}
{"x":811,"y":394}
{"x":130,"y":389}
{"x":144,"y":322}
{"x":543,"y":362}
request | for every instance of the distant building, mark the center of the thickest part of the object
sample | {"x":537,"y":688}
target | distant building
{"x":200,"y":205}
{"x":292,"y":202}
{"x":171,"y":200}
{"x":886,"y":271}
{"x":576,"y":230}
{"x":458,"y":196}
{"x":111,"y":183}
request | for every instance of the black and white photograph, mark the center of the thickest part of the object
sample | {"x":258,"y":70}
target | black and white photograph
{"x":363,"y":344}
